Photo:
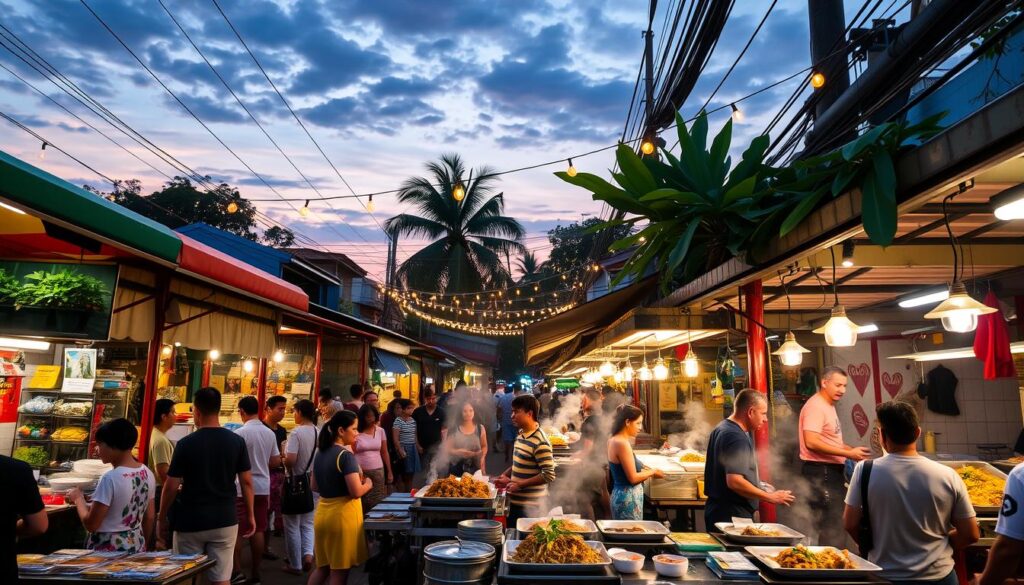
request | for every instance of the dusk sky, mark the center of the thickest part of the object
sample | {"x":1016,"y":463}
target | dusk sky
{"x":383,"y":85}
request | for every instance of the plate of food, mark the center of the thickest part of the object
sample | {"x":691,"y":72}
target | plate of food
{"x":584,"y":528}
{"x":985,"y":484}
{"x":632,"y":530}
{"x":759,"y":533}
{"x":457,"y":491}
{"x":555,"y":550}
{"x":692,"y":461}
{"x":818,"y":562}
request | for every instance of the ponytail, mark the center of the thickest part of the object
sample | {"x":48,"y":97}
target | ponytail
{"x":342,"y":419}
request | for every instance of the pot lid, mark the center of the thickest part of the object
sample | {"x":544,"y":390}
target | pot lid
{"x":451,"y":550}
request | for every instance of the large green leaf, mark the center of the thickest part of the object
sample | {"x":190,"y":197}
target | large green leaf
{"x":719,"y":154}
{"x":590,"y":182}
{"x":741,"y":190}
{"x":693,"y":160}
{"x":751,"y":161}
{"x":806,"y":206}
{"x":683,"y":245}
{"x":885,"y":174}
{"x":844,"y":177}
{"x":854,"y":148}
{"x":633,"y":167}
{"x":878,"y":210}
{"x":675,"y":195}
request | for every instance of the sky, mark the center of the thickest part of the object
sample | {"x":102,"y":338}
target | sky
{"x":383,"y":86}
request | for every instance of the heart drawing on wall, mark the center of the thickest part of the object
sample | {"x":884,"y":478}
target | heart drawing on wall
{"x":892,"y":384}
{"x":860,"y":419}
{"x":860,"y":374}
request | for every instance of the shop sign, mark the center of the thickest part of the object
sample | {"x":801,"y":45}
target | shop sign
{"x":79,"y":370}
{"x":70,"y":301}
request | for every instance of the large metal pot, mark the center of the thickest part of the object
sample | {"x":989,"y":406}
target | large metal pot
{"x":452,"y":561}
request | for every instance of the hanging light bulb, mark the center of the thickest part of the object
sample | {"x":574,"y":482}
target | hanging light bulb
{"x":959,"y":313}
{"x":370,"y":205}
{"x":691,"y":365}
{"x":42,"y":152}
{"x":232,"y":206}
{"x":278,"y":356}
{"x":644,"y":373}
{"x":571,"y":171}
{"x":304,"y":211}
{"x":660,"y":370}
{"x":458,"y":191}
{"x":848,"y":254}
{"x":165,"y":351}
{"x":791,"y":353}
{"x":214,"y":355}
{"x":839,"y":330}
{"x":618,"y":376}
{"x":628,"y":372}
{"x":647,"y":146}
{"x":737,"y":114}
{"x":818,"y":80}
{"x":248,"y":366}
{"x":606,"y":369}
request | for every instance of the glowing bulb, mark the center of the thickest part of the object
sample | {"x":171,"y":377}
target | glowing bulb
{"x":232,"y":207}
{"x":458,"y":192}
{"x":691,"y":365}
{"x":571,"y":171}
{"x":248,"y":366}
{"x":166,"y":351}
{"x":839,"y":330}
{"x":214,"y":354}
{"x":304,"y":212}
{"x":370,"y":205}
{"x":737,"y":114}
{"x":960,"y":322}
{"x":818,"y":80}
{"x":606,"y":369}
{"x":42,"y":152}
{"x":959,"y":313}
{"x":278,"y":356}
{"x":644,"y":373}
{"x":647,"y":147}
{"x":791,"y":353}
{"x":177,"y":344}
{"x":619,"y":377}
{"x":660,"y":370}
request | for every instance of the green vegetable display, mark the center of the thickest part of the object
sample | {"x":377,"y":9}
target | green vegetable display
{"x":34,"y":456}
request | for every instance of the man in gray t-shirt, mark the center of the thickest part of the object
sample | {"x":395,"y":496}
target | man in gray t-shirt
{"x":919,"y":509}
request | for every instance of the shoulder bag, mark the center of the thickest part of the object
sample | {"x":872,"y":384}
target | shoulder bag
{"x":865,"y":537}
{"x":297,"y":495}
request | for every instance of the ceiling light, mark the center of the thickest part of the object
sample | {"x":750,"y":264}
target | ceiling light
{"x":1009,"y":203}
{"x":848,"y":254}
{"x":791,"y":353}
{"x":628,"y":372}
{"x":917,"y":331}
{"x":1016,"y":347}
{"x":660,"y":370}
{"x":166,"y":351}
{"x":16,"y":343}
{"x":11,"y":208}
{"x":869,"y":328}
{"x":606,"y":369}
{"x":959,"y":313}
{"x":691,"y":365}
{"x":278,"y":356}
{"x":925,"y":299}
{"x":644,"y":373}
{"x":248,"y":366}
{"x":839,"y":330}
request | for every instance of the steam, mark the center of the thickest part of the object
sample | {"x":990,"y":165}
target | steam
{"x":697,"y":428}
{"x":568,"y":414}
{"x":485,"y":410}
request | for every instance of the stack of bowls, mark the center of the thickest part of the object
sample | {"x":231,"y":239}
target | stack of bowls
{"x":486,"y":531}
{"x":91,"y":467}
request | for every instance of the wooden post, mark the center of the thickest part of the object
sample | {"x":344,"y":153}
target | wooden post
{"x":757,"y":365}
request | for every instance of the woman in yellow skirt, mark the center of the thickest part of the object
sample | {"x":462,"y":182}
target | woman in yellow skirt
{"x":338,"y":540}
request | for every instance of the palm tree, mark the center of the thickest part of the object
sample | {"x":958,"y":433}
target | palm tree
{"x":529,"y":267}
{"x":471,"y":237}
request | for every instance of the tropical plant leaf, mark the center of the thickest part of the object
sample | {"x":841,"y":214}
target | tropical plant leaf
{"x":806,"y":206}
{"x":683,"y":245}
{"x":853,"y":149}
{"x":634,"y":168}
{"x":675,"y":195}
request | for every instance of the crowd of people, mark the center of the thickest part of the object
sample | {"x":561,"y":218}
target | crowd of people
{"x":217,"y":488}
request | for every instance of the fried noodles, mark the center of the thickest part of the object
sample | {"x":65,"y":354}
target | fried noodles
{"x":983,"y":489}
{"x":459,"y":487}
{"x":800,"y":557}
{"x":554,"y":545}
{"x":568,"y":525}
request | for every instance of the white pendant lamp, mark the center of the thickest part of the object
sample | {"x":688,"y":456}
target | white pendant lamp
{"x":644,"y":373}
{"x":606,"y":369}
{"x":839,"y":330}
{"x":660,"y":370}
{"x":791,"y":353}
{"x":691,"y":365}
{"x":627,"y":371}
{"x":959,"y":313}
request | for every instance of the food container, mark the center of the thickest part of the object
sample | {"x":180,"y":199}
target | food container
{"x":626,"y":561}
{"x":552,"y":568}
{"x":423,"y":500}
{"x":671,"y":565}
{"x":734,"y":533}
{"x":765,"y":555}
{"x":632,"y":530}
{"x":525,"y":526}
{"x":453,"y":561}
{"x":985,"y":468}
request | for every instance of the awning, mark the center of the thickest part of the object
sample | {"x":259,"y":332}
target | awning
{"x":543,"y":339}
{"x":218,"y":268}
{"x":201,"y":317}
{"x":34,"y":190}
{"x":386,"y":361}
{"x":134,"y":314}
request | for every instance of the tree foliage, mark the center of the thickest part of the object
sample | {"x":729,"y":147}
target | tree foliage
{"x":529,"y":267}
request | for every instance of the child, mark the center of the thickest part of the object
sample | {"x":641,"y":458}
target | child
{"x":404,"y":435}
{"x":121,"y":512}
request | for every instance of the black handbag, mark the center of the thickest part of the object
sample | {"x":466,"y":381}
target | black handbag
{"x":865,"y":537}
{"x":297,"y":495}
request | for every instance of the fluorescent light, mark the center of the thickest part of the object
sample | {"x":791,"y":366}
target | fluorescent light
{"x":12,"y":208}
{"x":16,"y":343}
{"x":950,"y":354}
{"x":1009,"y":204}
{"x":925,"y":299}
{"x":917,"y":331}
{"x":869,"y":328}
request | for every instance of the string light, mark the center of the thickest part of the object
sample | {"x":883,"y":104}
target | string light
{"x":304,"y":211}
{"x":571,"y":171}
{"x":232,"y":206}
{"x":647,"y":146}
{"x":737,"y":114}
{"x":818,"y":80}
{"x":660,"y":370}
{"x":458,"y":192}
{"x":42,"y":152}
{"x":370,"y":205}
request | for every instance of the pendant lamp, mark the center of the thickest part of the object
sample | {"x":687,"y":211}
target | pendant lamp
{"x":839,"y":330}
{"x":791,"y":353}
{"x":691,"y":365}
{"x":644,"y":373}
{"x":660,"y":370}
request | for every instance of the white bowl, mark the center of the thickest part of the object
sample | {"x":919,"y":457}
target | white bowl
{"x":63,"y":484}
{"x":675,"y":566}
{"x":626,"y":561}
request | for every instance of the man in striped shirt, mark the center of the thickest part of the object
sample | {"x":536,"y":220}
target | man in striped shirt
{"x":533,"y":466}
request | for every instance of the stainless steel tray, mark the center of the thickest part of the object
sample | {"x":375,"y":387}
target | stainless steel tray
{"x":525,"y":526}
{"x":733,"y":533}
{"x":553,"y":568}
{"x":765,"y":555}
{"x":653,"y":531}
{"x":985,"y":467}
{"x":423,"y":500}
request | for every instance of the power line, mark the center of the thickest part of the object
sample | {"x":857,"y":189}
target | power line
{"x":743,"y":52}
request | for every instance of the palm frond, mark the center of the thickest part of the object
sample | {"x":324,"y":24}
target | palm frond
{"x":414,"y":225}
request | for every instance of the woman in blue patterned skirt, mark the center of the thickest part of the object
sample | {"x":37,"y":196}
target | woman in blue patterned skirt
{"x":628,"y":474}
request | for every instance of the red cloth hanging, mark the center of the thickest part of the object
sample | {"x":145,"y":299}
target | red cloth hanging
{"x":992,"y":343}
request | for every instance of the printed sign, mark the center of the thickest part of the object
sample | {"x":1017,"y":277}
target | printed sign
{"x":45,"y":377}
{"x":79,"y":370}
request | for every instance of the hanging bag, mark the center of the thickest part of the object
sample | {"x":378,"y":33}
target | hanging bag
{"x":297,"y":495}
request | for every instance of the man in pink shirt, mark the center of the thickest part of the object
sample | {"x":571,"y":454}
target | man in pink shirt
{"x":824,"y":455}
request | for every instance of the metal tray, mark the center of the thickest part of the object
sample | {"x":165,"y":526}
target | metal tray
{"x":653,"y":531}
{"x":553,"y":568}
{"x":987,"y":468}
{"x":423,"y":500}
{"x":523,"y":526}
{"x":732,"y":533}
{"x":764,"y":555}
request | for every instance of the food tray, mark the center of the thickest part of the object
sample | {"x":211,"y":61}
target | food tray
{"x":1006,"y":465}
{"x":523,"y":526}
{"x":653,"y":531}
{"x":553,"y":568}
{"x":765,"y":554}
{"x":423,"y":500}
{"x":983,"y":466}
{"x":607,"y":576}
{"x":732,"y":533}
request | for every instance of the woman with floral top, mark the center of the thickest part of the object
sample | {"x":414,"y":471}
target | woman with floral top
{"x":121,"y":512}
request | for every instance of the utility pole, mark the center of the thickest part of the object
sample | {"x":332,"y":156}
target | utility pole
{"x":649,"y":67}
{"x":828,"y":28}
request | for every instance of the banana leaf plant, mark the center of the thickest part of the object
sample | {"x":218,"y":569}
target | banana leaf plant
{"x":696,"y":210}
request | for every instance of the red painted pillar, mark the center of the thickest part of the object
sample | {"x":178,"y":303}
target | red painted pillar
{"x":757,"y":366}
{"x":153,"y":367}
{"x":316,"y":368}
{"x":261,"y":384}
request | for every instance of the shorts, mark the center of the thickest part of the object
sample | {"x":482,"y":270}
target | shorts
{"x":260,"y":508}
{"x":217,"y":543}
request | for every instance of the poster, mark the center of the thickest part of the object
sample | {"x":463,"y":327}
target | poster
{"x":10,"y":394}
{"x":79,"y":370}
{"x":667,"y":397}
{"x":12,"y":363}
{"x":45,"y":377}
